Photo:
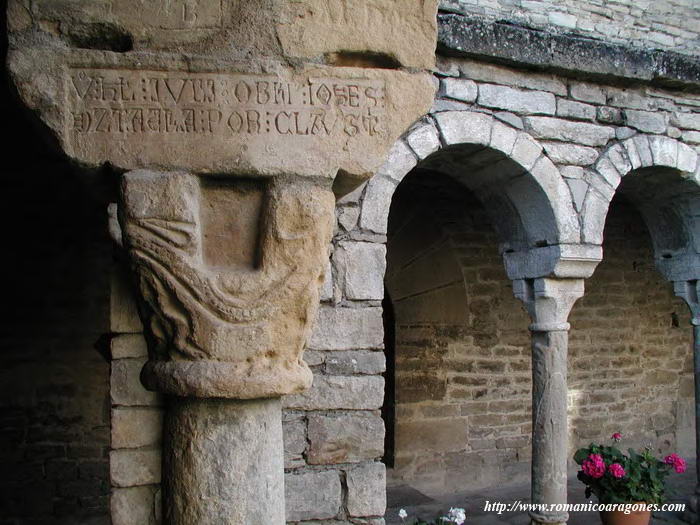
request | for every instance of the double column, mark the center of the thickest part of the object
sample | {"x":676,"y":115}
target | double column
{"x":689,"y":291}
{"x":549,"y":302}
{"x":227,"y":311}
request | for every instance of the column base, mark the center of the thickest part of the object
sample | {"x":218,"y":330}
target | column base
{"x":554,"y":518}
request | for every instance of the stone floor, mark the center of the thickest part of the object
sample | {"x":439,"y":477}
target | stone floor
{"x":418,"y":504}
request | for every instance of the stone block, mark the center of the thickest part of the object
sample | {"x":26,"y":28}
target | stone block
{"x":459,"y":89}
{"x":424,"y":140}
{"x":345,"y":438}
{"x":360,"y":267}
{"x":351,"y":363}
{"x":367,"y":490}
{"x":126,"y":387}
{"x":492,"y":73}
{"x":578,"y":188}
{"x":375,"y":205}
{"x":347,"y":217}
{"x":399,"y":162}
{"x":312,"y":495}
{"x":571,"y":154}
{"x":347,"y":329}
{"x":294,"y":435}
{"x":458,"y":127}
{"x":686,"y":120}
{"x":327,"y":288}
{"x":645,"y":121}
{"x":575,"y":110}
{"x":578,"y":132}
{"x":503,"y":137}
{"x":517,"y":100}
{"x":130,"y":468}
{"x":340,"y":392}
{"x":422,"y":435}
{"x":664,"y":151}
{"x":136,"y":427}
{"x":133,"y":506}
{"x":609,"y":115}
{"x":123,"y":312}
{"x":128,"y":345}
{"x":587,"y":92}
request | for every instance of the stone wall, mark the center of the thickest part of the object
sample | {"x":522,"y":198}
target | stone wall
{"x":54,"y":371}
{"x":659,"y":24}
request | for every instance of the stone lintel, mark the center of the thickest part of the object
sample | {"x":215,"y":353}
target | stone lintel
{"x":570,"y":261}
{"x":548,"y":301}
{"x":476,"y":37}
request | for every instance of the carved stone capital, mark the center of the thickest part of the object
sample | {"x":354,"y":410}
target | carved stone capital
{"x":689,"y":291}
{"x":548,"y":301}
{"x":228,"y":270}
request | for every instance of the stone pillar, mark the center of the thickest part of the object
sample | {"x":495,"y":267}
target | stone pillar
{"x":689,"y":291}
{"x":549,"y":301}
{"x":227,"y":311}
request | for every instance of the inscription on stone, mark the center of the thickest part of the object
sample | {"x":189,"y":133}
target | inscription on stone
{"x":152,"y":102}
{"x":170,"y":14}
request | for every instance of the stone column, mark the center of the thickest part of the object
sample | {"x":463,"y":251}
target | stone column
{"x":229,"y":273}
{"x":689,"y":291}
{"x":549,"y":301}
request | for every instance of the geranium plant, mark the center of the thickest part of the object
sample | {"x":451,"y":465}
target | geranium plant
{"x":616,"y":477}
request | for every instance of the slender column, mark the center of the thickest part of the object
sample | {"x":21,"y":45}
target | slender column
{"x":549,"y":301}
{"x":689,"y":291}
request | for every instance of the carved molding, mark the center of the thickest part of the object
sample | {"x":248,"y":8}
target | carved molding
{"x":228,"y":271}
{"x":548,"y":301}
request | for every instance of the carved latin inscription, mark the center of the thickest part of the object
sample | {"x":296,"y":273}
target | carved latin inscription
{"x":149,"y":102}
{"x":170,"y":14}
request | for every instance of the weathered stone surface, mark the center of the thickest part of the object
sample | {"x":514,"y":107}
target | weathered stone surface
{"x":347,"y":218}
{"x":686,"y":120}
{"x":347,"y":329}
{"x":213,"y":108}
{"x":366,"y":493}
{"x":375,"y":206}
{"x":350,"y":363}
{"x":360,"y":268}
{"x":136,"y":427}
{"x":126,"y":387}
{"x":179,"y":230}
{"x":575,"y":110}
{"x":407,"y":34}
{"x":645,"y":121}
{"x":223,"y":461}
{"x":400,"y":161}
{"x":129,"y":468}
{"x":609,"y":115}
{"x":587,"y":92}
{"x":312,"y":495}
{"x":579,"y":188}
{"x":424,"y":140}
{"x":521,"y":101}
{"x":123,"y":312}
{"x":345,"y":438}
{"x":459,"y":89}
{"x":132,"y":506}
{"x":128,"y":345}
{"x":578,"y":132}
{"x":294,"y":433}
{"x":502,"y":75}
{"x":340,"y":392}
{"x":464,"y":127}
{"x":570,"y":153}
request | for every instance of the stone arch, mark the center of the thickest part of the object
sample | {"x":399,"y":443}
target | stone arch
{"x":665,"y":188}
{"x":539,"y":225}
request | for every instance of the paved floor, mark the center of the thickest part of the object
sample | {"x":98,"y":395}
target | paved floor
{"x":421,"y":506}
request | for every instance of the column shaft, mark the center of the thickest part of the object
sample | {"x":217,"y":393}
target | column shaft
{"x":696,"y":360}
{"x":549,"y":423}
{"x":223,"y":462}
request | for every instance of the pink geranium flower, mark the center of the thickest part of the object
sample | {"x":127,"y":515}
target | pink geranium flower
{"x":676,"y":461}
{"x":594,"y":466}
{"x":616,"y":436}
{"x":617,"y":470}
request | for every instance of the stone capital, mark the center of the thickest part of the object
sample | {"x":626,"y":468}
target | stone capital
{"x":548,"y":301}
{"x":689,"y":291}
{"x":228,"y":272}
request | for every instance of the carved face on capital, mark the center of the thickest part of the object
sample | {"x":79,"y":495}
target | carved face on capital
{"x":229,"y":271}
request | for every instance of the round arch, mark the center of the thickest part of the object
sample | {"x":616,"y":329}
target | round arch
{"x":531,"y":204}
{"x":665,"y":185}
